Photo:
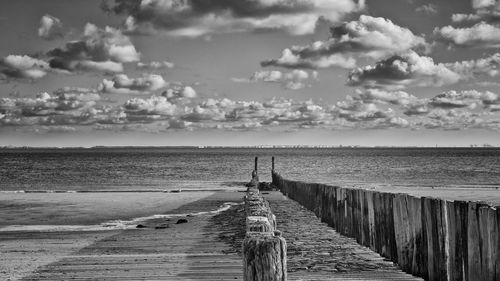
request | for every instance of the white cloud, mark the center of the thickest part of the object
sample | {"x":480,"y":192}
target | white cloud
{"x":357,"y":111}
{"x":122,"y":84}
{"x":428,"y":9}
{"x":201,"y":17}
{"x":458,"y":18}
{"x":392,"y":97}
{"x":480,"y":35}
{"x":267,"y":76}
{"x":71,"y":108}
{"x":188,"y":92}
{"x":153,"y":106}
{"x":488,"y":66}
{"x":65,"y":107}
{"x":469,"y":98}
{"x":155,"y":65}
{"x":13,"y":66}
{"x":179,"y":93}
{"x":294,"y":80}
{"x":368,"y":37}
{"x":50,"y":28}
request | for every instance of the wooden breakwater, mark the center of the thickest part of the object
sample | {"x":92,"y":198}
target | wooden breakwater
{"x":432,"y":238}
{"x":264,"y":250}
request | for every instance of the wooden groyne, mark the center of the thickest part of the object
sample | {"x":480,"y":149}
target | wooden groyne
{"x":264,"y":250}
{"x":432,"y":238}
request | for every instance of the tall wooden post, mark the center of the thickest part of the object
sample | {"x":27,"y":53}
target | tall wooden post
{"x":264,"y":257}
{"x":272,"y":166}
{"x":256,"y":160}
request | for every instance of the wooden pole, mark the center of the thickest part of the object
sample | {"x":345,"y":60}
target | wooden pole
{"x":272,"y":159}
{"x":256,"y":160}
{"x":264,"y":257}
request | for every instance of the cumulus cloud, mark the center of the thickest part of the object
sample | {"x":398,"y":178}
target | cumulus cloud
{"x":64,"y":107}
{"x":455,"y":119}
{"x":294,"y":80}
{"x":70,"y":108}
{"x":488,"y":66}
{"x":480,"y":35}
{"x":356,"y":111}
{"x":368,"y":37}
{"x":122,"y":84}
{"x":484,"y":10}
{"x":18,"y":67}
{"x":428,"y":9}
{"x":267,"y":76}
{"x":55,"y":129}
{"x":470,"y":99}
{"x":400,"y":71}
{"x":153,"y":108}
{"x":458,"y":18}
{"x":97,"y":50}
{"x":381,"y":96}
{"x":155,"y":65}
{"x":50,"y":28}
{"x":180,"y":93}
{"x":201,"y":17}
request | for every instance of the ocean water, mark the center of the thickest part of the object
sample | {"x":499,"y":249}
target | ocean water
{"x":172,"y":168}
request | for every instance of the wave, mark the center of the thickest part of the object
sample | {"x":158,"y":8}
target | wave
{"x":235,"y":188}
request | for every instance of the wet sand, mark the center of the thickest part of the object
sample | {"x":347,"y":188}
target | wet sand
{"x":23,"y":251}
{"x":87,"y":208}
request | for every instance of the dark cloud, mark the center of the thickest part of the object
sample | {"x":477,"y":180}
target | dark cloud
{"x":199,"y":17}
{"x":97,"y":50}
{"x":400,"y":71}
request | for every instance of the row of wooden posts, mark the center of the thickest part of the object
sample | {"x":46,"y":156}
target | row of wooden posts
{"x":257,"y":164}
{"x":264,"y":250}
{"x":431,"y":238}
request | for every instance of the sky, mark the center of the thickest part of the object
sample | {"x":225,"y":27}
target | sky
{"x":249,"y":72}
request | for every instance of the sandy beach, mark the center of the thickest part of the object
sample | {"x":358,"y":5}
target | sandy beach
{"x":48,"y":223}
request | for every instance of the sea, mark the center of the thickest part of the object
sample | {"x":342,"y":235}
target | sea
{"x":169,"y":168}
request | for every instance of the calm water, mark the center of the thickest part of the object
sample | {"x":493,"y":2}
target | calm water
{"x":166,"y":168}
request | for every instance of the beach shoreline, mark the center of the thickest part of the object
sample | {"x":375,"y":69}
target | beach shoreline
{"x":45,"y":220}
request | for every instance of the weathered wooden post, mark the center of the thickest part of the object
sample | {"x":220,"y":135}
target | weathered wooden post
{"x":272,"y":164}
{"x":256,"y":161}
{"x":264,"y":257}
